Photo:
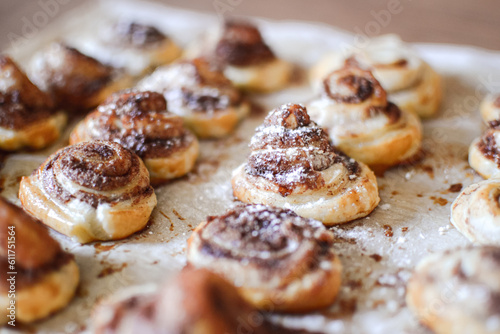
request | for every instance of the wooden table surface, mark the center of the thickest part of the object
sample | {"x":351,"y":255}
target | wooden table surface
{"x":472,"y":22}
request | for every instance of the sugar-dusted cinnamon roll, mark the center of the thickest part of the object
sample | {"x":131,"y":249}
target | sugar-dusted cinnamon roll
{"x":490,"y":108}
{"x":476,"y":212}
{"x":353,"y":107}
{"x":207,"y":101}
{"x":484,"y":152}
{"x":131,"y":45}
{"x":410,"y":82}
{"x":277,"y":260}
{"x":239,"y":48}
{"x":294,"y":165}
{"x":76,"y":81}
{"x":28,"y":117}
{"x":457,"y":291}
{"x":140,"y":122}
{"x":38,"y":277}
{"x":90,"y":191}
{"x":195,"y":301}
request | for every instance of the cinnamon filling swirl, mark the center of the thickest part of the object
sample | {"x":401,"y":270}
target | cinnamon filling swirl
{"x":273,"y":239}
{"x":242,"y":44}
{"x":137,"y":35}
{"x":140,"y":122}
{"x":488,"y":147}
{"x":290,"y":149}
{"x":98,"y":167}
{"x":21,"y":102}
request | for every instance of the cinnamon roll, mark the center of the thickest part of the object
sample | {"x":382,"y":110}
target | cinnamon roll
{"x":38,"y":277}
{"x":277,"y":260}
{"x":457,"y":291}
{"x":207,"y":101}
{"x":476,"y":212}
{"x":240,"y":50}
{"x":293,"y":165}
{"x":490,"y":108}
{"x":353,"y":107}
{"x":131,"y":45}
{"x":484,"y":152}
{"x":28,"y":117}
{"x":411,"y":83}
{"x":195,"y":301}
{"x":95,"y":190}
{"x":140,"y":122}
{"x":76,"y":81}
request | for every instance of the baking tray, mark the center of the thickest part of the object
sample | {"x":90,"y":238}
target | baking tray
{"x":378,"y":252}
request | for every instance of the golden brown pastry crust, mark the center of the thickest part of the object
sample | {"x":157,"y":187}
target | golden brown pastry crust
{"x":457,"y":292}
{"x":28,"y":117}
{"x":484,"y":153}
{"x":490,"y":108}
{"x":277,"y":260}
{"x":207,"y":101}
{"x":140,"y":122}
{"x":194,"y":302}
{"x":76,"y":81}
{"x":293,"y":165}
{"x":90,"y":191}
{"x":353,"y":107}
{"x":46,"y":277}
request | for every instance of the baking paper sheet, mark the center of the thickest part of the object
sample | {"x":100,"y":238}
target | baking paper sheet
{"x":377,"y":252}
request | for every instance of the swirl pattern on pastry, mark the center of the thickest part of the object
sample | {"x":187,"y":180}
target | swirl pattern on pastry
{"x":207,"y":101}
{"x":484,"y":152}
{"x":28,"y":118}
{"x":76,"y":81}
{"x":240,"y":50}
{"x":140,"y":122}
{"x":94,"y":190}
{"x":47,"y":277}
{"x":457,"y":291}
{"x":476,"y":212}
{"x":277,"y":260}
{"x":361,"y":122}
{"x":410,"y":82}
{"x":490,"y":108}
{"x":294,"y":165}
{"x":195,"y":301}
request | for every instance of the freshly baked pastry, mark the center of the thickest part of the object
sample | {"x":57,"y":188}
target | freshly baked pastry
{"x":131,"y":45}
{"x":90,"y":191}
{"x":410,"y":82}
{"x":293,"y":165}
{"x":76,"y":81}
{"x":476,"y":212}
{"x":28,"y":118}
{"x":490,"y":108}
{"x":38,"y":277}
{"x":195,"y":301}
{"x":484,"y":152}
{"x":353,"y":107}
{"x":140,"y":122}
{"x":207,"y":101}
{"x":457,"y":291}
{"x":239,"y":49}
{"x":277,"y":260}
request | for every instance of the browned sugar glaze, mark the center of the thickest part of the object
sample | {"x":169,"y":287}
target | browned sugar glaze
{"x":277,"y":240}
{"x":352,"y":85}
{"x":241,"y":44}
{"x":36,"y":253}
{"x":71,"y":76}
{"x":137,"y":35}
{"x":98,"y":166}
{"x":196,"y":301}
{"x":487,"y":145}
{"x":195,"y":85}
{"x":289,"y":150}
{"x":140,"y":122}
{"x":22,"y":103}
